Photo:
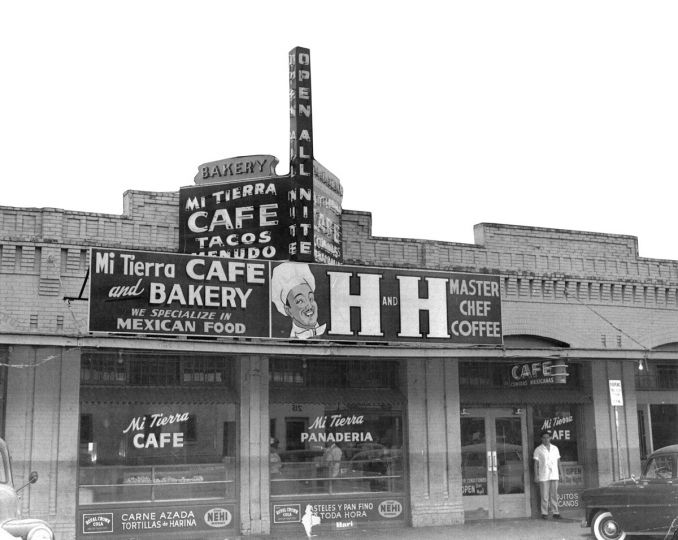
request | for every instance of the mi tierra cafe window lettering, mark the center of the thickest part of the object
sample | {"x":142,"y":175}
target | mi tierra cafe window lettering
{"x":155,"y":429}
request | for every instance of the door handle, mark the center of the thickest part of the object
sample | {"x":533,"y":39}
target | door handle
{"x":491,"y":461}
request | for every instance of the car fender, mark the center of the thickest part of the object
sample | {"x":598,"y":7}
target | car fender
{"x":21,"y":527}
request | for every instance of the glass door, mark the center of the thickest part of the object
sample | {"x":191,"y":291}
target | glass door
{"x":494,"y":464}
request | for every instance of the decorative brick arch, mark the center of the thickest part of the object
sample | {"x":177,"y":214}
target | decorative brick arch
{"x":657,"y":339}
{"x":540,"y":329}
{"x":531,"y":341}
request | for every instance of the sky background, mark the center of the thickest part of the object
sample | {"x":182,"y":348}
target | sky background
{"x":435,"y":116}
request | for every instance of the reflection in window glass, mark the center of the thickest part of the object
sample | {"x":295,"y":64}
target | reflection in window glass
{"x":170,"y":441}
{"x":336,"y":427}
{"x":473,"y":457}
{"x":664,"y":428}
{"x":642,"y":435}
{"x":510,"y":470}
{"x":337,"y":451}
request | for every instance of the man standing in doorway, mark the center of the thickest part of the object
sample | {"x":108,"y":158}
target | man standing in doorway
{"x":547,"y":474}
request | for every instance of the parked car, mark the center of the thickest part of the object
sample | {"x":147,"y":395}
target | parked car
{"x":637,"y":506}
{"x":377,"y":461}
{"x":10,"y":514}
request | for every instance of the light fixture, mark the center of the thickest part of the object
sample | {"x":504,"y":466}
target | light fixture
{"x":642,"y":363}
{"x":518,"y":410}
{"x":464,"y":412}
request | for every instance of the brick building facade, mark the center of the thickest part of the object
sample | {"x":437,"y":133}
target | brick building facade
{"x":583,"y":298}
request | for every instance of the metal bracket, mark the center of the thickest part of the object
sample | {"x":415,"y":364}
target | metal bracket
{"x":82,"y":290}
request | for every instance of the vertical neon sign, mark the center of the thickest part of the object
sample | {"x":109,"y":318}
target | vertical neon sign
{"x":300,"y":194}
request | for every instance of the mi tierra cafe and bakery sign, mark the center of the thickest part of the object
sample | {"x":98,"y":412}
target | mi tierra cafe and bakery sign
{"x":137,"y":292}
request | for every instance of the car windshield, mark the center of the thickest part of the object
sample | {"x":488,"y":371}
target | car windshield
{"x":660,"y":468}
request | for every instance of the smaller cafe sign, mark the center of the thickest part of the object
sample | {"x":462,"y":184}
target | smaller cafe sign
{"x":536,"y":373}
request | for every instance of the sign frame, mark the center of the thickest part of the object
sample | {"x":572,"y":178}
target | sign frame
{"x":616,"y":393}
{"x":412,"y":318}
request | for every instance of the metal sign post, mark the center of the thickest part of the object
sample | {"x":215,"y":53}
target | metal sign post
{"x":616,"y":424}
{"x":617,"y":400}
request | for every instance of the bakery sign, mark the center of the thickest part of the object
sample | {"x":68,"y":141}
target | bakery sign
{"x":136,"y":292}
{"x":336,"y":428}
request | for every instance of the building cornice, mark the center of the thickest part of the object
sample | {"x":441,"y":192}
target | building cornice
{"x":334,"y":349}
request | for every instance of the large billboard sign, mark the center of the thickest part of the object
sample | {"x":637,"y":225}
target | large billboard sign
{"x":139,"y":292}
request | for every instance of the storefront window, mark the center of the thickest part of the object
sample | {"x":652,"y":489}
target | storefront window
{"x":3,"y":389}
{"x":560,"y":419}
{"x":562,"y":422}
{"x":336,"y":434}
{"x":664,"y":432}
{"x":156,"y":429}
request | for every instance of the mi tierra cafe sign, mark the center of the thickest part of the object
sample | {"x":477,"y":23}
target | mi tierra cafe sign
{"x":137,"y":292}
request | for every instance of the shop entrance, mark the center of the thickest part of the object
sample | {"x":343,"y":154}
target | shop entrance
{"x":494,"y":454}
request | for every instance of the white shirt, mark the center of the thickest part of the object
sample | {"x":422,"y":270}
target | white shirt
{"x":306,"y":333}
{"x":547,"y":458}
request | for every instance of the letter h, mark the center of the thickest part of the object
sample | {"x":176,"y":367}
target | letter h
{"x":341,"y":302}
{"x":411,"y":304}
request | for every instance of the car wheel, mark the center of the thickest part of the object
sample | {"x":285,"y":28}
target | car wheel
{"x":605,"y":527}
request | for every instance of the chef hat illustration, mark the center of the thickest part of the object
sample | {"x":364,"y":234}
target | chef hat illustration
{"x":285,"y":277}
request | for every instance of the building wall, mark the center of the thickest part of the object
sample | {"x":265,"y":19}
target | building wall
{"x":612,"y":298}
{"x":434,"y":441}
{"x":589,"y":290}
{"x":42,"y":431}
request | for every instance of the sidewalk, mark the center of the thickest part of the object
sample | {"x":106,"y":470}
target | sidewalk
{"x":522,"y":529}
